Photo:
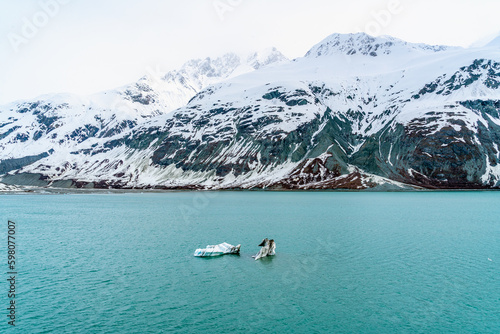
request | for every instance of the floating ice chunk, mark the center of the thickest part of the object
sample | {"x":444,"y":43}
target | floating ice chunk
{"x":268,"y":248}
{"x":216,"y":250}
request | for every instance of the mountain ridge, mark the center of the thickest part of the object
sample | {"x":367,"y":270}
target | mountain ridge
{"x":366,"y":45}
{"x":411,"y":116}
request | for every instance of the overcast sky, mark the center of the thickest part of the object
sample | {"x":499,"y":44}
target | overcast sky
{"x":85,"y":46}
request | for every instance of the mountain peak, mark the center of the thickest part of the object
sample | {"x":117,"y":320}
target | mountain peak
{"x":265,"y":57}
{"x":366,"y":45}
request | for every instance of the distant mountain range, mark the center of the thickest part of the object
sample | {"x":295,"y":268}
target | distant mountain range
{"x":356,"y":112}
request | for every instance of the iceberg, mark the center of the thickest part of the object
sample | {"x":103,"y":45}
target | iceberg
{"x":217,"y":250}
{"x":268,"y":249}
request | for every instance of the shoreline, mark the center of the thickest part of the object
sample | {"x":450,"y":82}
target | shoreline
{"x":97,"y":191}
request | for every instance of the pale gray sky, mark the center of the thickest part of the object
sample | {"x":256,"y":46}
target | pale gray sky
{"x":85,"y":46}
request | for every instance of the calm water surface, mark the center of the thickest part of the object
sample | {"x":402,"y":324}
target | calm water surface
{"x":346,"y":262}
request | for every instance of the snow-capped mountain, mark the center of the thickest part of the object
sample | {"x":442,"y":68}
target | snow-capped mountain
{"x":356,"y":112}
{"x":30,"y":130}
{"x":175,"y":88}
{"x":366,"y":45}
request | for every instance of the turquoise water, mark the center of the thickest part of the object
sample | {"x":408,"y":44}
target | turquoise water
{"x":346,"y":262}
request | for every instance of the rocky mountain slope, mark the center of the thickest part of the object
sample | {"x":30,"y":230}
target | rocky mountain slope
{"x":355,"y":112}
